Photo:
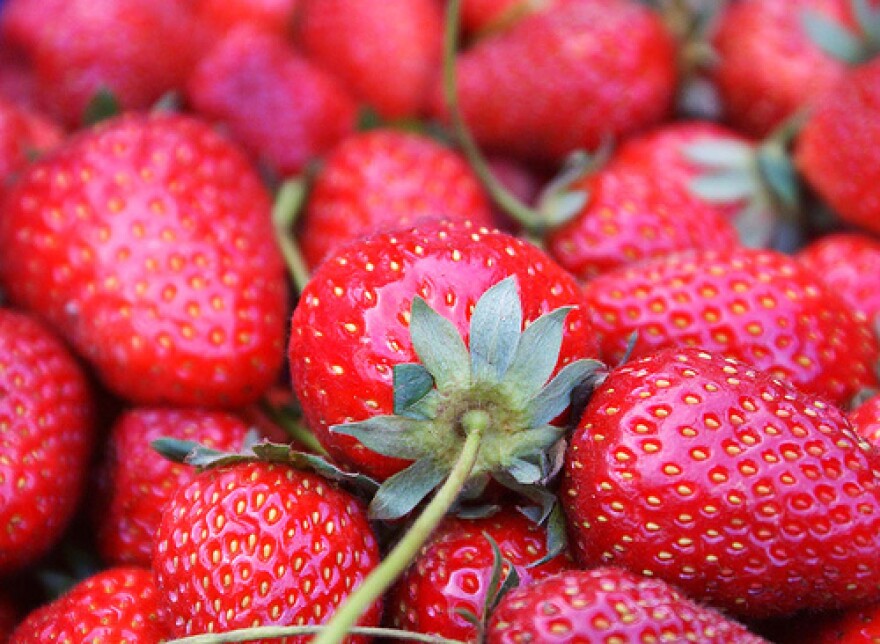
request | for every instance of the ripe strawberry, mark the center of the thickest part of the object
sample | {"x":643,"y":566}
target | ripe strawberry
{"x":846,"y":263}
{"x":147,"y":243}
{"x":865,"y":419}
{"x":642,"y":204}
{"x":282,"y":108}
{"x":746,"y":493}
{"x":138,"y":50}
{"x":524,"y":91}
{"x":453,"y":572}
{"x":759,"y":306}
{"x":45,"y":439}
{"x":385,"y":180}
{"x":351,"y":331}
{"x":259,"y":543}
{"x":386,"y":52}
{"x":117,"y":605}
{"x":768,"y":67}
{"x":608,"y":605}
{"x":136,"y":484}
{"x":23,"y":135}
{"x":836,"y":149}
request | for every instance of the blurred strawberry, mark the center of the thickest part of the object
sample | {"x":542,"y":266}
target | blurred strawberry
{"x":283,"y":109}
{"x":221,"y":16}
{"x":386,"y":53}
{"x":137,"y":50}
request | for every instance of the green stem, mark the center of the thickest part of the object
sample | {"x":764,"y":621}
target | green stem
{"x":400,"y":557}
{"x":288,"y":203}
{"x":528,"y":218}
{"x":294,"y":429}
{"x":277,"y":632}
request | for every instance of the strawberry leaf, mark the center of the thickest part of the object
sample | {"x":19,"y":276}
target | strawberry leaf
{"x":537,"y":353}
{"x":174,"y":449}
{"x":388,"y":435}
{"x":726,"y":187}
{"x":102,"y":106}
{"x":556,"y":396}
{"x":778,"y":171}
{"x":719,"y":154}
{"x":439,"y":345}
{"x":495,"y":330}
{"x":412,"y":382}
{"x":754,"y":226}
{"x":525,"y":472}
{"x":398,"y":495}
{"x":833,"y":38}
{"x":557,"y":537}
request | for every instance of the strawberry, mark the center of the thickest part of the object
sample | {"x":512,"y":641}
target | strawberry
{"x":274,"y":102}
{"x":523,"y":91}
{"x":846,"y":262}
{"x":720,"y":479}
{"x":138,"y":50}
{"x":117,"y":605}
{"x":836,"y":153}
{"x":365,"y":44}
{"x":350,"y":333}
{"x":46,"y":434}
{"x":609,"y":605}
{"x":384,"y":180}
{"x":259,"y":543}
{"x":865,"y":419}
{"x":147,"y":243}
{"x":452,"y":575}
{"x":767,"y":66}
{"x":136,"y":484}
{"x":759,"y":306}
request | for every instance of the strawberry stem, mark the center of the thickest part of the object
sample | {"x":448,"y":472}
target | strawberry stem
{"x":288,"y":203}
{"x":277,"y":632}
{"x":474,"y":423}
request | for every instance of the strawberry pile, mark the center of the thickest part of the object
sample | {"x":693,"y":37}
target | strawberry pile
{"x":450,"y":321}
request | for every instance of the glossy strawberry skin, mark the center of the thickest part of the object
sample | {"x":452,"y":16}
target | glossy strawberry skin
{"x":351,"y":325}
{"x":117,"y":605}
{"x":387,"y":52}
{"x":561,"y":79}
{"x":454,"y":569}
{"x":768,"y":67}
{"x":46,"y":435}
{"x":136,"y":482}
{"x":759,"y":306}
{"x":147,"y":243}
{"x":282,"y":108}
{"x":385,"y":180}
{"x":747,"y":494}
{"x":641,"y":205}
{"x":608,"y":604}
{"x":260,"y":543}
{"x":836,"y":151}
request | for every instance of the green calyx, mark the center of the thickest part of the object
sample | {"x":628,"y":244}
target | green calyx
{"x":840,"y":42}
{"x":501,"y":386}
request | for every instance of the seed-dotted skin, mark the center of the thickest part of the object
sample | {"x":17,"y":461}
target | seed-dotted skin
{"x":454,"y":570}
{"x":147,"y":243}
{"x":46,"y":433}
{"x":384,"y":180}
{"x":352,"y":322}
{"x":746,"y":493}
{"x":260,"y":544}
{"x":608,"y":606}
{"x":136,"y":483}
{"x":759,"y":306}
{"x":119,"y":605}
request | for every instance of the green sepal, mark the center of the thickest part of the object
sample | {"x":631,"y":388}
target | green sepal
{"x":537,"y":440}
{"x":438,"y":345}
{"x":780,"y":175}
{"x":557,"y":536}
{"x":388,"y":435}
{"x":174,"y":449}
{"x":555,"y":397}
{"x":412,"y":382}
{"x":719,"y":154}
{"x":399,"y":494}
{"x":495,"y":331}
{"x":537,"y":353}
{"x":524,"y":471}
{"x":499,"y":583}
{"x":481,"y":511}
{"x":542,"y":498}
{"x":563,"y":207}
{"x":754,"y":225}
{"x":168,"y":102}
{"x":560,"y":201}
{"x":321,"y":466}
{"x":469,"y":617}
{"x":102,"y":106}
{"x":868,"y":19}
{"x":833,"y":38}
{"x":727,"y":186}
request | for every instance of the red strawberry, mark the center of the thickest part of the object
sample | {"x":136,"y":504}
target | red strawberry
{"x":563,"y":78}
{"x":847,"y":263}
{"x":221,"y":16}
{"x":385,"y":180}
{"x":768,"y":66}
{"x":138,"y":50}
{"x":136,"y":483}
{"x":278,"y":105}
{"x":386,"y":52}
{"x":608,"y":605}
{"x":759,"y":306}
{"x":744,"y":492}
{"x":258,"y":543}
{"x":837,"y":151}
{"x":45,"y":438}
{"x":453,"y":572}
{"x":117,"y":605}
{"x":642,"y":204}
{"x":865,"y":419}
{"x":351,"y":330}
{"x":147,"y":242}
